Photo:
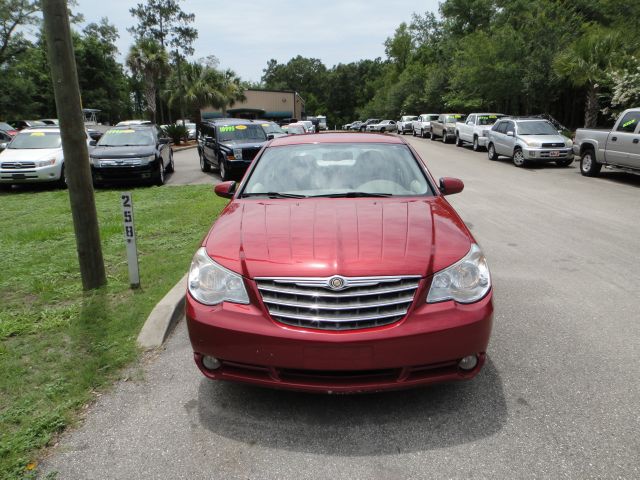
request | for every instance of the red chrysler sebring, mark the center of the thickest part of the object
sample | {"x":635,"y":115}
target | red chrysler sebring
{"x":339,"y":266}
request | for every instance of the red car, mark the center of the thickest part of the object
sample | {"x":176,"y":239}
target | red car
{"x":339,"y":266}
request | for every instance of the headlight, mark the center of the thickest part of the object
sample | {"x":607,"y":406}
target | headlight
{"x":466,"y":281}
{"x":485,"y":133}
{"x":211,"y":284}
{"x":237,"y":152}
{"x":531,"y":143}
{"x":568,"y":142}
{"x":46,"y":163}
{"x":147,"y":160}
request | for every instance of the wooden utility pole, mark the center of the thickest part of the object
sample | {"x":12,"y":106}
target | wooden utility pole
{"x":62,"y":63}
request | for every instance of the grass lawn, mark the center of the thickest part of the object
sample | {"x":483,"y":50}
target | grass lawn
{"x":58,"y":346}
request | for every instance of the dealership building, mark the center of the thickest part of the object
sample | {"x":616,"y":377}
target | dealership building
{"x":265,"y":104}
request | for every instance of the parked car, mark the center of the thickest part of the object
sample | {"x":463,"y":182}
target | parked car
{"x":527,"y":140}
{"x":405,"y":124}
{"x":445,"y":126}
{"x":308,"y":126}
{"x":50,"y":121}
{"x":302,"y":283}
{"x":295,"y":129}
{"x":229,"y":145}
{"x":94,"y":134}
{"x":619,"y":147}
{"x":370,"y":121}
{"x":475,"y":129}
{"x":382,"y":127}
{"x":191,"y":128}
{"x":8,"y":129}
{"x":132,"y":153}
{"x":22,"y":124}
{"x":355,"y":126}
{"x":34,"y":156}
{"x":422,"y":125}
{"x":272,"y":129}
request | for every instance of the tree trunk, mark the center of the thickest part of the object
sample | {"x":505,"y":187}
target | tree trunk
{"x":591,"y":107}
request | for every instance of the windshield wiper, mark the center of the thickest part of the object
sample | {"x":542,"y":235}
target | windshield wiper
{"x":353,"y":195}
{"x":273,"y":195}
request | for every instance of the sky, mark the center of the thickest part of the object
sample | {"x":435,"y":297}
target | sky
{"x":245,"y":35}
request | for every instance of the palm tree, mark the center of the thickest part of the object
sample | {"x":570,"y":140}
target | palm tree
{"x":585,"y":63}
{"x":200,"y":86}
{"x":148,"y":60}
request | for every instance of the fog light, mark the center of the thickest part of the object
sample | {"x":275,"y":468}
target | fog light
{"x":210,"y":363}
{"x":467,"y":363}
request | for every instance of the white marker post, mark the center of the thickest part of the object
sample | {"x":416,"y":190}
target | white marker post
{"x":130,"y":239}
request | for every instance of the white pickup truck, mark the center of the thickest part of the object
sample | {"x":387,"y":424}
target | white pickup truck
{"x":422,"y":126}
{"x":619,"y":147}
{"x":475,"y":128}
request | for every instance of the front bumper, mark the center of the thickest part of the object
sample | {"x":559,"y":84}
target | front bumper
{"x":124,"y":173}
{"x":424,"y":347}
{"x":547,"y":154}
{"x":482,"y":141}
{"x":50,"y":173}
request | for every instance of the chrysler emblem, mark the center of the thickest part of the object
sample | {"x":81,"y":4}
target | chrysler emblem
{"x":337,"y":283}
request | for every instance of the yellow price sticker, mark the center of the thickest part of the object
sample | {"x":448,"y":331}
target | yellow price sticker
{"x":265,"y":124}
{"x":37,"y":134}
{"x":241,"y":127}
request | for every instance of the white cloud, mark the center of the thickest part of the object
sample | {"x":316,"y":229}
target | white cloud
{"x":245,"y":35}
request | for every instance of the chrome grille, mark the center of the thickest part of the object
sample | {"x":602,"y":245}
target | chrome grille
{"x":357,"y":302}
{"x":553,"y":145}
{"x":17,"y":165}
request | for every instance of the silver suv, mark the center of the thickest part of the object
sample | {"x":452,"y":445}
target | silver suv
{"x":529,"y":140}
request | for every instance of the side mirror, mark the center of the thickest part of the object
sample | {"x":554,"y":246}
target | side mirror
{"x":225,"y":189}
{"x":208,"y":139}
{"x":93,"y":143}
{"x":560,"y":132}
{"x":271,"y":136}
{"x":449,"y":185}
{"x":3,"y":146}
{"x":510,"y":134}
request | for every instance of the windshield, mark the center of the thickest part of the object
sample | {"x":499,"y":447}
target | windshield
{"x":241,"y":133}
{"x":127,"y":137}
{"x":432,"y":117}
{"x":488,"y":119}
{"x":540,"y":127}
{"x":33,"y":140}
{"x":408,"y":119}
{"x":338,"y":169}
{"x":272,"y":128}
{"x":455,"y":118}
{"x":295,"y":129}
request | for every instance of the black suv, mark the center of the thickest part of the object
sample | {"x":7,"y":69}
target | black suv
{"x":229,"y":145}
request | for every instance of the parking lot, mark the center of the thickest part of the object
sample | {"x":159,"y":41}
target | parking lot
{"x":557,"y":398}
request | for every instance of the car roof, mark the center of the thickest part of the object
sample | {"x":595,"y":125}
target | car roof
{"x":337,"y":138}
{"x":146,"y":126}
{"x":42,"y":129}
{"x":231,"y":121}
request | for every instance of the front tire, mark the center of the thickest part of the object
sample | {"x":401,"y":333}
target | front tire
{"x":159,"y":180}
{"x":588,"y":165}
{"x":204,"y":165}
{"x":476,"y":145}
{"x":491,"y":152}
{"x":458,"y":140}
{"x":518,"y":158}
{"x":433,"y":137}
{"x":445,"y":137}
{"x":171,"y":167}
{"x":224,"y":172}
{"x":62,"y":181}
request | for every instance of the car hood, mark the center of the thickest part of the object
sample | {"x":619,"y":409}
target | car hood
{"x":543,"y":138}
{"x":243,"y":144}
{"x":350,"y":237}
{"x":29,"y":154}
{"x":123,"y":152}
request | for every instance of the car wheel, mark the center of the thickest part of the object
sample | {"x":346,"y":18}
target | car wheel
{"x":491,"y":152}
{"x":62,"y":181}
{"x":588,"y":165}
{"x":424,"y":134}
{"x":224,"y":173}
{"x":445,"y":137}
{"x":458,"y":141}
{"x":159,"y":180}
{"x":204,"y":165}
{"x":171,"y":167}
{"x":518,"y":158}
{"x":414,"y":132}
{"x":433,"y":137}
{"x":564,"y":163}
{"x":382,"y":130}
{"x":476,"y":145}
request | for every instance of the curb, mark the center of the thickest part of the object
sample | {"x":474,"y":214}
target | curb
{"x":164,"y":316}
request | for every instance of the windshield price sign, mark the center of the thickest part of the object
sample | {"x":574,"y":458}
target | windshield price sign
{"x":130,"y":239}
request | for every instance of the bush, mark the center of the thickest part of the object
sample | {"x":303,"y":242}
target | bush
{"x":177,"y":133}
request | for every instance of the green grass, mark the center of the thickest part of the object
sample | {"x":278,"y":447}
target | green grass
{"x":58,"y":345}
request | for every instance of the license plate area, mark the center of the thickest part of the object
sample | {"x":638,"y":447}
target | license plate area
{"x":554,"y":153}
